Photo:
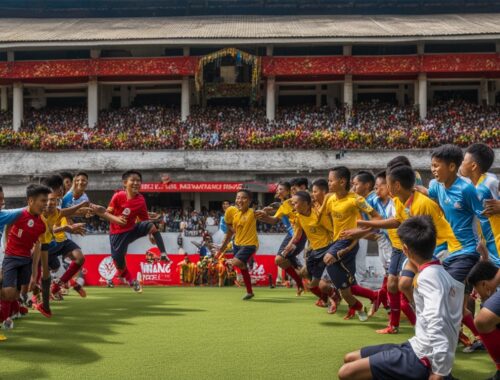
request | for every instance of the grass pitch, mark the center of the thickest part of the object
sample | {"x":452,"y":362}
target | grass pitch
{"x":195,"y":333}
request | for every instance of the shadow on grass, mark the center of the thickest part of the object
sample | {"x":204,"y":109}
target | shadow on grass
{"x":76,"y":325}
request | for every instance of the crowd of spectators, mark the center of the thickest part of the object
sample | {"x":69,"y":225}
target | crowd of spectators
{"x":370,"y":126}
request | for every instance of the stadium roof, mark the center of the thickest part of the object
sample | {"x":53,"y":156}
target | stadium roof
{"x":16,"y":32}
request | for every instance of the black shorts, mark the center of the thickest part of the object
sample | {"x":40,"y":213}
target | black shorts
{"x":120,"y":242}
{"x":395,"y":362}
{"x":244,"y":252}
{"x":459,"y":268}
{"x":493,"y":303}
{"x":60,"y":249}
{"x":342,"y":272}
{"x":396,"y":263}
{"x":315,"y":264}
{"x":292,"y":256}
{"x":16,"y":271}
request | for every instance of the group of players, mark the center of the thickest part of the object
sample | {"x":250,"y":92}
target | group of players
{"x":38,"y":236}
{"x":437,"y":243}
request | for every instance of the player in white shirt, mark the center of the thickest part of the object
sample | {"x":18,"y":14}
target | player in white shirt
{"x":429,"y":355}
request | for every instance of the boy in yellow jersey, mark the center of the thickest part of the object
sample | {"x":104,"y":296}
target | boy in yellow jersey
{"x":408,"y":203}
{"x":317,"y":228}
{"x":344,"y":208}
{"x":287,"y":215}
{"x":61,"y":245}
{"x":242,"y":223}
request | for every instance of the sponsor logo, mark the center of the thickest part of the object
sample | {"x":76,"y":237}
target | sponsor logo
{"x":31,"y":223}
{"x":126,"y":211}
{"x":107,"y":269}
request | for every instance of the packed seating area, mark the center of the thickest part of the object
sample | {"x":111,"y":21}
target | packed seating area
{"x":370,"y":126}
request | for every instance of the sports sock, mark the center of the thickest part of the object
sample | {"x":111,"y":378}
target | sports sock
{"x":5,"y":307}
{"x":408,"y":310}
{"x":293,"y":274}
{"x":159,"y":242}
{"x":361,"y":291}
{"x":247,"y":280}
{"x":395,"y":305}
{"x":492,"y":343}
{"x":70,"y":272}
{"x":468,"y":320}
{"x":46,"y":293}
{"x":318,"y":293}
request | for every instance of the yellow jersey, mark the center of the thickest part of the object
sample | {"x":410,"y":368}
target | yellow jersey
{"x":244,"y":225}
{"x":52,"y":221}
{"x":286,"y":210}
{"x":318,"y":229}
{"x":420,"y":205}
{"x":345,"y":212}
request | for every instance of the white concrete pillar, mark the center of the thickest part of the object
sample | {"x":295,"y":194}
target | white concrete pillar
{"x":4,"y":104}
{"x":270,"y":98}
{"x":420,"y":48}
{"x":185,"y":96}
{"x":422,"y":95}
{"x":260,"y":199}
{"x":17,"y":106}
{"x":92,"y":103}
{"x":10,"y":56}
{"x":197,"y":201}
{"x":400,"y":95}
{"x":483,"y":97}
{"x":124,"y":96}
{"x":318,"y":95}
{"x":269,"y":50}
{"x":347,"y":50}
{"x":348,"y":91}
{"x":415,"y":93}
{"x":95,"y":53}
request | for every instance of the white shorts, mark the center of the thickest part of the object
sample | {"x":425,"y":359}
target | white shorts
{"x":384,"y":250}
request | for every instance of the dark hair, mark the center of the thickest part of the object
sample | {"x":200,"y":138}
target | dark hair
{"x":482,"y":271}
{"x":343,"y":172}
{"x":53,"y":182}
{"x":84,"y":174}
{"x":404,"y":175}
{"x":449,"y":153}
{"x":398,"y":161}
{"x":285,"y":184}
{"x":225,"y":200}
{"x":33,"y":190}
{"x":482,"y":155}
{"x":301,"y":181}
{"x":382,"y":175}
{"x":1,"y":189}
{"x":247,"y":192}
{"x":418,"y":233}
{"x":321,"y":184}
{"x":365,"y":177}
{"x":129,"y":173}
{"x":65,"y":175}
{"x":304,"y":196}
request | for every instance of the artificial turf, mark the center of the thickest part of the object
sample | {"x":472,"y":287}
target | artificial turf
{"x":195,"y":333}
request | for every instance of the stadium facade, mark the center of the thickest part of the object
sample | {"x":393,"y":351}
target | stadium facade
{"x":266,"y":60}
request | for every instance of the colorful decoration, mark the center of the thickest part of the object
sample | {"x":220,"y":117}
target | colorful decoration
{"x":228,"y":90}
{"x":239,"y":56}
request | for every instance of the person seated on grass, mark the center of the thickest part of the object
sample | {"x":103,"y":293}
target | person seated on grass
{"x":439,"y":300}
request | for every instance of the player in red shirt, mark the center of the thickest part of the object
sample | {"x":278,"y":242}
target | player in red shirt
{"x":19,"y":268}
{"x":129,"y":221}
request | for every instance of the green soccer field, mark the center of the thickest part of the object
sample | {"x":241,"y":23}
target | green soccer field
{"x":187,"y":333}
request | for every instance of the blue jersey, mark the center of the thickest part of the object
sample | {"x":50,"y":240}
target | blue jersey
{"x":222,"y":224}
{"x":487,"y":188}
{"x":371,"y":200}
{"x":461,"y":207}
{"x":69,"y":201}
{"x":8,"y":217}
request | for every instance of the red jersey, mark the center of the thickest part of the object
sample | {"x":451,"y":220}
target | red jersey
{"x":24,"y":233}
{"x":134,"y":209}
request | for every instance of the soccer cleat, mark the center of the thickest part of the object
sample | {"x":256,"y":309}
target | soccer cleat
{"x":57,"y":296}
{"x":2,"y":337}
{"x":389,"y":330}
{"x":110,"y":284}
{"x":23,"y":310}
{"x":164,"y":257}
{"x":43,"y":311}
{"x":332,"y":308}
{"x":320,"y":303}
{"x":300,"y":291}
{"x":248,"y":296}
{"x":477,"y":345}
{"x":351,"y":313}
{"x":464,"y":339}
{"x":362,"y":314}
{"x":8,"y":324}
{"x":79,"y":289}
{"x":136,"y":285}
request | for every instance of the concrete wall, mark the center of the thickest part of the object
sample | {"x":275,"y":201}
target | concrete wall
{"x":20,"y":167}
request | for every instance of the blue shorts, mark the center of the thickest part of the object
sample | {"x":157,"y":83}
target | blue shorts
{"x":244,"y":252}
{"x":315,"y":264}
{"x":60,"y":249}
{"x":16,"y":271}
{"x":120,"y":242}
{"x":395,"y":362}
{"x":459,"y":268}
{"x":292,"y":256}
{"x":342,"y":272}
{"x":493,"y":303}
{"x":396,"y":263}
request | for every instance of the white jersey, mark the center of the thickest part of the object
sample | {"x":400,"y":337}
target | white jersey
{"x":439,"y":301}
